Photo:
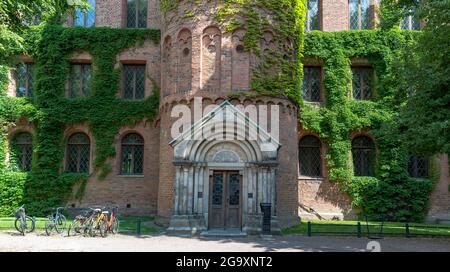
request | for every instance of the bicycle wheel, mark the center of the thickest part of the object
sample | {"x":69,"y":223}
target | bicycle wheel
{"x":60,"y":224}
{"x":103,"y":229}
{"x":89,"y":228}
{"x":19,"y":226}
{"x":74,"y":228}
{"x":115,"y":226}
{"x":29,"y":224}
{"x":48,"y":227}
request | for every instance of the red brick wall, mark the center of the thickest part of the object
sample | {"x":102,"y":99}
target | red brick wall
{"x":140,"y":191}
{"x":335,"y":15}
{"x":112,"y":13}
{"x":109,"y":13}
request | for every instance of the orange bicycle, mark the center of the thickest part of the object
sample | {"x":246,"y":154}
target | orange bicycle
{"x":109,"y":222}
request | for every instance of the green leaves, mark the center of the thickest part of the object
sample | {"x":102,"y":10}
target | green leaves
{"x":50,"y":112}
{"x":391,"y":193}
{"x":426,"y":116}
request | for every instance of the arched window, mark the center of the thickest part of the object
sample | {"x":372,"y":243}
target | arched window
{"x":78,"y":153}
{"x":418,"y":167}
{"x":309,"y":157}
{"x":363,"y":151}
{"x":132,"y":154}
{"x":22,"y":151}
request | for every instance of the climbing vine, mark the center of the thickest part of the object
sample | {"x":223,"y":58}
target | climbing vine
{"x":50,"y":112}
{"x":391,"y":193}
{"x":280,"y":71}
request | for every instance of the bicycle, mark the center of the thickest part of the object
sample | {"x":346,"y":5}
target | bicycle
{"x":97,"y":223}
{"x":81,"y":223}
{"x":55,"y":221}
{"x":110,"y":222}
{"x":22,"y":221}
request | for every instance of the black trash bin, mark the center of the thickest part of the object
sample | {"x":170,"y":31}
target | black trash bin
{"x":266,"y":211}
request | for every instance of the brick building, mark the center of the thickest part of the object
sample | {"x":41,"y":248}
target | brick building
{"x":215,"y":184}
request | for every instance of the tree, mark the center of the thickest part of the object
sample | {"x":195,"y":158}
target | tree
{"x":17,"y":15}
{"x":425,"y":118}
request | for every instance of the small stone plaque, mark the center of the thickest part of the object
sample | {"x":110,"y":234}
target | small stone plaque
{"x":200,"y":194}
{"x":250,"y":195}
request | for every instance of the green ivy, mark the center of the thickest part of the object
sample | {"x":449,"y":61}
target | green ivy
{"x":50,"y":112}
{"x":390,"y":193}
{"x":12,"y":186}
{"x":285,"y":19}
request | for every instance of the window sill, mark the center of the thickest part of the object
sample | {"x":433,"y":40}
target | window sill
{"x":130,"y":176}
{"x":315,"y":103}
{"x":311,"y":178}
{"x":419,"y":179}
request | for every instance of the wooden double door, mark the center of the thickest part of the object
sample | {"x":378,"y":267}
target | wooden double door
{"x":225,"y":200}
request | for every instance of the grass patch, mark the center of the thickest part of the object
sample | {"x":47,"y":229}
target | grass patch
{"x":328,"y":227}
{"x":7,"y":223}
{"x":128,"y":224}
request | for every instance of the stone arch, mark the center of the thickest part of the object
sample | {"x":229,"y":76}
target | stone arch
{"x":226,"y":156}
{"x":268,"y":45}
{"x":167,"y":83}
{"x":184,"y":63}
{"x":240,"y":62}
{"x":267,"y":42}
{"x":211,"y":59}
{"x":197,"y":150}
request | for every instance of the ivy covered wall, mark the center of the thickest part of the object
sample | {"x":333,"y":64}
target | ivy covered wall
{"x":50,"y":112}
{"x":391,"y":192}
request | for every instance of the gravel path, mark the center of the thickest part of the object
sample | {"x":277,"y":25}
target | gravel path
{"x":10,"y":241}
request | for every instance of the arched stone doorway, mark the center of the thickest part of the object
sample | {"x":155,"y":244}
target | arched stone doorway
{"x":220,"y":184}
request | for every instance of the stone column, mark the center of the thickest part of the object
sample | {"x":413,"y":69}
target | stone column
{"x":199,"y":181}
{"x":190,"y":190}
{"x":273,"y":190}
{"x":177,"y":190}
{"x":260,"y":189}
{"x":254,"y":189}
{"x":185,"y":172}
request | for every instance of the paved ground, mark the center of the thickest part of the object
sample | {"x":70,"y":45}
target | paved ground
{"x":11,"y":241}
